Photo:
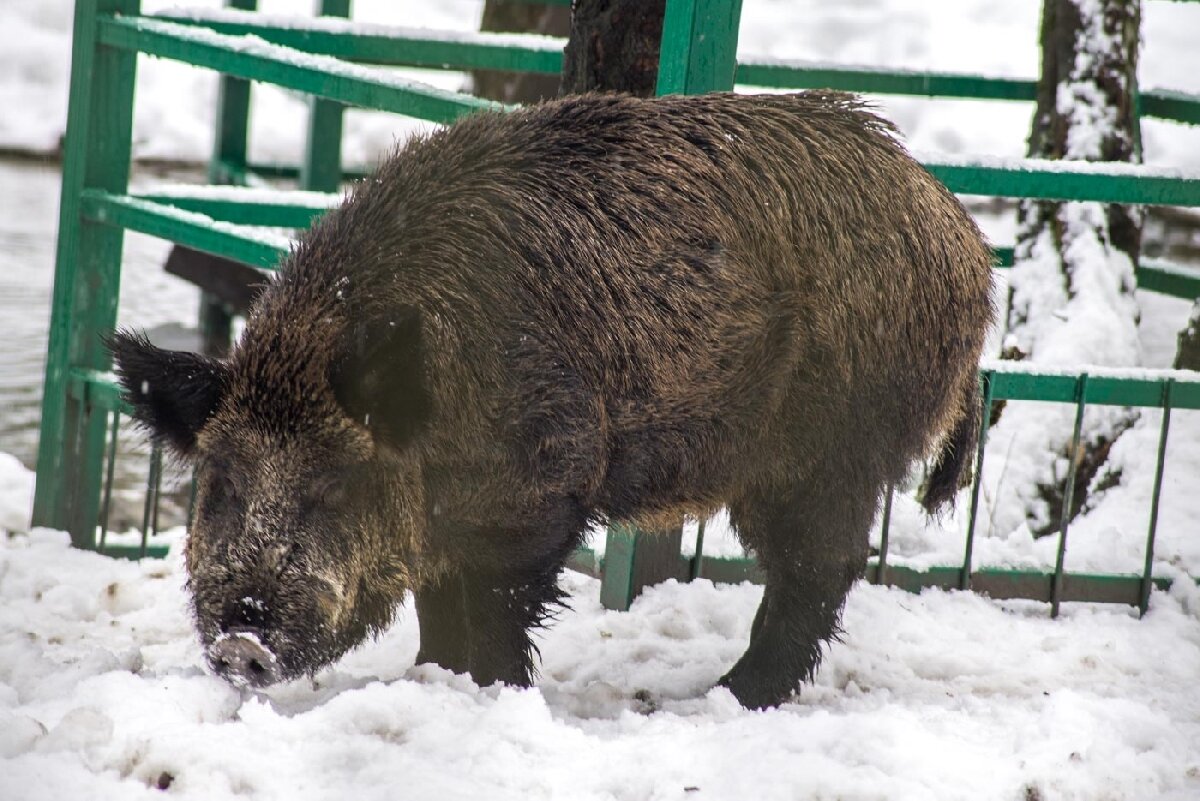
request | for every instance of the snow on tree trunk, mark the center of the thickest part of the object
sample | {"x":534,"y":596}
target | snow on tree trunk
{"x":1071,"y":290}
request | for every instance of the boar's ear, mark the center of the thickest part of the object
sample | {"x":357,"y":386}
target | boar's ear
{"x":173,"y":393}
{"x":380,"y":380}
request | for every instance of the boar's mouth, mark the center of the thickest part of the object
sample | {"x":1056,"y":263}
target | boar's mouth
{"x":242,"y":659}
{"x":256,"y":643}
{"x":248,"y":658}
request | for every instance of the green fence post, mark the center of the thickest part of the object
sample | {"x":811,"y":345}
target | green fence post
{"x":699,"y":45}
{"x":1056,"y":588}
{"x":86,"y":277}
{"x":1147,"y":571}
{"x":227,"y":166}
{"x":322,"y":167}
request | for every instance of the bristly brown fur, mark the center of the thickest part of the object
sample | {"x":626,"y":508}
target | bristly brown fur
{"x":596,"y":308}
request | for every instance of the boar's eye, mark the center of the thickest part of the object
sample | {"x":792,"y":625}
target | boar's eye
{"x":329,"y":491}
{"x":219,"y":490}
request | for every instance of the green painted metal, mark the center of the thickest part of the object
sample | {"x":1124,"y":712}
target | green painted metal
{"x":227,"y":166}
{"x":777,"y":74}
{"x":697,"y":54}
{"x":1175,"y":280}
{"x":998,"y":583}
{"x":126,"y":551}
{"x":1073,"y":456}
{"x":1155,"y":275}
{"x":183,"y":227}
{"x":1141,"y":388}
{"x":299,"y":210}
{"x":397,"y":47}
{"x":109,"y":469}
{"x":884,"y":531}
{"x":699,"y":41}
{"x":233,"y":120}
{"x":284,"y":210}
{"x":620,"y":551}
{"x":1144,"y":600}
{"x":317,"y":75}
{"x":322,"y":166}
{"x":87,"y":275}
{"x":1169,"y":105}
{"x":432,"y":49}
{"x":698,"y":558}
{"x":150,"y":508}
{"x":988,"y":385}
{"x":699,"y":46}
{"x":1060,"y":180}
{"x":98,"y":388}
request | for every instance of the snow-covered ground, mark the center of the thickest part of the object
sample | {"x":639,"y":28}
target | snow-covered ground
{"x":937,"y":696}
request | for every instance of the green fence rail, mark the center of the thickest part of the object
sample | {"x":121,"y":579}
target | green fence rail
{"x":323,"y":58}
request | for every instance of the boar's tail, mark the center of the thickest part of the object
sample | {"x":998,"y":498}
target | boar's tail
{"x":952,"y":470}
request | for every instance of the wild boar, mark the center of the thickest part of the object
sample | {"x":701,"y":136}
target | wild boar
{"x":598,"y":308}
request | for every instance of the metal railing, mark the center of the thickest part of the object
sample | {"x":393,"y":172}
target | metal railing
{"x":323,"y":58}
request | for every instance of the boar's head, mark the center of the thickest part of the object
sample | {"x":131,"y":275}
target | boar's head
{"x":309,"y":509}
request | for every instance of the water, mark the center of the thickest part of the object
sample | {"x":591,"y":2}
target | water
{"x":150,"y":298}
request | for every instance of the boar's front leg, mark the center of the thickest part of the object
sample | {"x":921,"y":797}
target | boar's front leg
{"x":502,"y":607}
{"x":442,"y":616}
{"x":811,"y":542}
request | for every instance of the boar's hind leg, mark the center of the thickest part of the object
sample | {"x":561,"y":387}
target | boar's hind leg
{"x":812,"y":544}
{"x":442,"y":615}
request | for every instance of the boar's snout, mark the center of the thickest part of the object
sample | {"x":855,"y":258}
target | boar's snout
{"x":241,"y":659}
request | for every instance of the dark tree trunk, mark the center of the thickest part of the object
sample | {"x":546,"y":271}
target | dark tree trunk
{"x":512,"y":16}
{"x":1085,"y":111}
{"x":1188,"y":355}
{"x":614,"y":47}
{"x":1071,"y":291}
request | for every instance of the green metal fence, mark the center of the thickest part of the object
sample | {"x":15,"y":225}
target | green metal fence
{"x":323,"y":58}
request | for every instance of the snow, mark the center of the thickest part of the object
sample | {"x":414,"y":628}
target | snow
{"x":256,"y":46}
{"x":103,"y":695}
{"x":242,"y":194}
{"x":173,"y":113}
{"x":103,"y":689}
{"x":550,"y":44}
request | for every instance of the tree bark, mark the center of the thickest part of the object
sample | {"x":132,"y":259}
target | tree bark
{"x":1071,"y":291}
{"x":513,"y":16}
{"x":614,"y":47}
{"x":1188,"y":355}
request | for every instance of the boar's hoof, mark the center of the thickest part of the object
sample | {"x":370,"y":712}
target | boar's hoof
{"x":758,"y":691}
{"x":242,"y":660}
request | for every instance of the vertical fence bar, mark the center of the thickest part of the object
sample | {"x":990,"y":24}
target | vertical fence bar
{"x":616,"y":583}
{"x":698,"y":559}
{"x":964,"y":580}
{"x":153,"y":485}
{"x":1147,"y":579}
{"x":86,"y":277}
{"x":321,"y":170}
{"x":884,"y":528}
{"x":106,"y":504}
{"x":1068,"y":494}
{"x":227,"y":166}
{"x":699,"y":44}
